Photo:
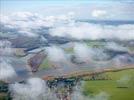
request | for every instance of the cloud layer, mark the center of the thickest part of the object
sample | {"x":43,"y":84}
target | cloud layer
{"x":30,"y":24}
{"x":27,"y":23}
{"x":84,"y":30}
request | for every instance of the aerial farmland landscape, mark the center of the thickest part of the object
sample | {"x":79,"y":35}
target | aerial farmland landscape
{"x":67,"y":50}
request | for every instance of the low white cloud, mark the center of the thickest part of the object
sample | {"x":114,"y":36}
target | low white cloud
{"x":33,"y":89}
{"x":25,"y":22}
{"x":82,"y":52}
{"x":7,"y":71}
{"x":121,"y":60}
{"x":88,"y":54}
{"x":24,"y":16}
{"x":84,"y":30}
{"x":5,"y":48}
{"x":124,"y":81}
{"x":78,"y":30}
{"x":99,"y":13}
{"x":115,"y":46}
{"x":77,"y":95}
{"x":56,"y":54}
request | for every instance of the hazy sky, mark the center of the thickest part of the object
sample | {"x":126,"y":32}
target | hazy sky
{"x":83,"y":9}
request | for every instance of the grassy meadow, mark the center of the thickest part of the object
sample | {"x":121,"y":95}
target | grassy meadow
{"x":119,"y":87}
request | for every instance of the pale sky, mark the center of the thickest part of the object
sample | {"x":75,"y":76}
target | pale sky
{"x":83,"y":9}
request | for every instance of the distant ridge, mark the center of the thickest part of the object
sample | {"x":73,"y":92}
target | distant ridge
{"x":108,"y":22}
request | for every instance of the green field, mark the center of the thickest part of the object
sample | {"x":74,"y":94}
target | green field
{"x":116,"y":90}
{"x":45,"y":64}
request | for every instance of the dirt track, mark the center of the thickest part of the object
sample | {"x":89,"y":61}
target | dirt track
{"x":87,"y":73}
